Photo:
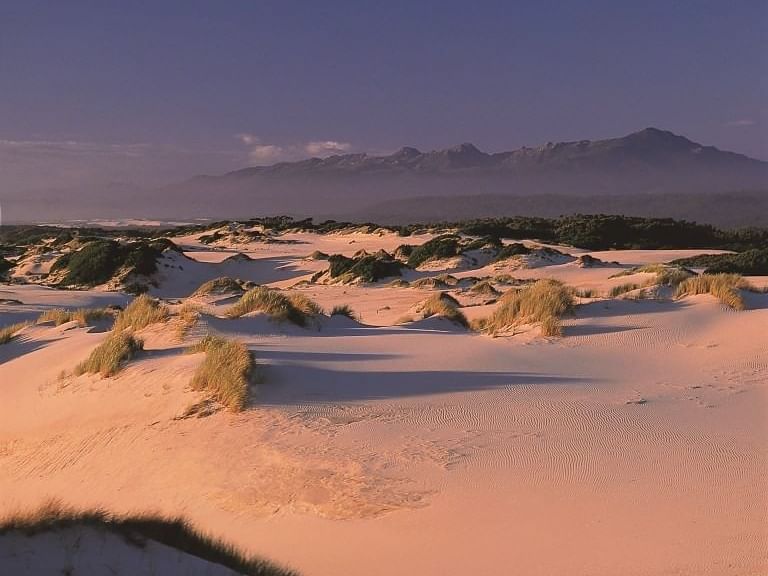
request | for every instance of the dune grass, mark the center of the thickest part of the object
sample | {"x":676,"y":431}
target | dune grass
{"x":725,"y":287}
{"x":9,"y":333}
{"x":344,"y":310}
{"x":186,"y":319}
{"x":109,"y":357}
{"x":543,"y":302}
{"x":174,"y":532}
{"x":225,"y":372}
{"x":221,"y":285}
{"x":484,"y":288}
{"x":445,"y":305}
{"x":622,"y":289}
{"x":83,"y":316}
{"x":294,"y":308}
{"x":143,"y":311}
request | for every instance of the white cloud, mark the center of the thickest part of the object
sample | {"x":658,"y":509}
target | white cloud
{"x":263,"y":153}
{"x":327,"y":148}
{"x":740,"y":123}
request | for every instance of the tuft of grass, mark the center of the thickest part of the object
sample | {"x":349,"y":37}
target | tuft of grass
{"x":725,"y":287}
{"x":622,"y":289}
{"x":221,"y":285}
{"x":174,"y":532}
{"x":444,"y":305}
{"x":83,"y":316}
{"x":187,"y":317}
{"x":225,"y":373}
{"x":306,"y":305}
{"x":586,"y":293}
{"x":143,"y":311}
{"x":294,"y":309}
{"x":111,"y":355}
{"x":344,"y":310}
{"x":543,"y":302}
{"x":9,"y":333}
{"x":484,"y":288}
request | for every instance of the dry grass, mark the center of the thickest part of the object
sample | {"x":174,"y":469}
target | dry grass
{"x":725,"y":287}
{"x":143,"y":311}
{"x":226,"y":371}
{"x":586,"y":293}
{"x":543,"y":302}
{"x":8,"y":333}
{"x":444,"y":305}
{"x":222,"y":285}
{"x":622,"y":289}
{"x":186,"y":319}
{"x":83,"y":316}
{"x":294,"y":308}
{"x":174,"y":532}
{"x":484,"y":288}
{"x":111,"y":355}
{"x":344,"y":310}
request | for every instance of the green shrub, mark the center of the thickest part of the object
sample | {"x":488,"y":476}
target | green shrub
{"x":111,"y":355}
{"x":225,"y":372}
{"x":750,"y":263}
{"x":444,"y":246}
{"x":367,"y":268}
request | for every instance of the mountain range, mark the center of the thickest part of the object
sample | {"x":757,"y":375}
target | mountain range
{"x":652,"y":172}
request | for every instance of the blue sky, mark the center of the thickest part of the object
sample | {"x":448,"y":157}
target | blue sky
{"x":153,"y":91}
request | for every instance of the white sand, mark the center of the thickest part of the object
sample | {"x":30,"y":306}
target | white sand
{"x":635,"y":445}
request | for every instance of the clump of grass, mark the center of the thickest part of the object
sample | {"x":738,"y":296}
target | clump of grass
{"x":111,"y":355}
{"x":725,"y":287}
{"x":344,"y":310}
{"x":444,"y":305}
{"x":305,"y":305}
{"x":279,"y":306}
{"x":9,"y":333}
{"x":221,"y":285}
{"x":484,"y":288}
{"x":543,"y":302}
{"x":174,"y":532}
{"x":586,"y":293}
{"x":143,"y":311}
{"x":187,"y":317}
{"x":666,"y":275}
{"x":622,"y":289}
{"x":225,"y":373}
{"x":83,"y":316}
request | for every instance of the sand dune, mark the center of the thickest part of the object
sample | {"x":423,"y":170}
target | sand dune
{"x":635,"y":444}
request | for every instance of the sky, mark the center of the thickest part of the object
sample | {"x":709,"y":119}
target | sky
{"x":151,"y":92}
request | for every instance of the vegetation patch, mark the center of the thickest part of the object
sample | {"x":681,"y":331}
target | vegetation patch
{"x":445,"y":246}
{"x":544,"y":302}
{"x":83,"y":316}
{"x":749,"y":263}
{"x":111,"y":355}
{"x":296,"y":308}
{"x":444,"y":305}
{"x":620,"y":289}
{"x":143,"y":311}
{"x":225,"y":372}
{"x":724,"y":287}
{"x":221,"y":285}
{"x":9,"y":333}
{"x":364,"y":268}
{"x":344,"y":310}
{"x":174,"y":532}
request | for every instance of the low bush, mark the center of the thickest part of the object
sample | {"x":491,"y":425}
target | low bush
{"x":344,"y":310}
{"x":221,"y":285}
{"x":273,"y":302}
{"x":111,"y":355}
{"x":750,"y":262}
{"x":366,"y":268}
{"x":225,"y":372}
{"x":444,"y":246}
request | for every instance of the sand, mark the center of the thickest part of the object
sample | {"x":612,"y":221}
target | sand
{"x":635,"y":445}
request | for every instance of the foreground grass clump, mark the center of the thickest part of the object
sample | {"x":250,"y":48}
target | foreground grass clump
{"x":111,"y":355}
{"x":83,"y":316}
{"x":8,"y":333}
{"x":543,"y":302}
{"x":344,"y":310}
{"x":174,"y":532}
{"x":296,"y":308}
{"x":225,"y":372}
{"x":143,"y":311}
{"x":444,"y":305}
{"x":724,"y":287}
